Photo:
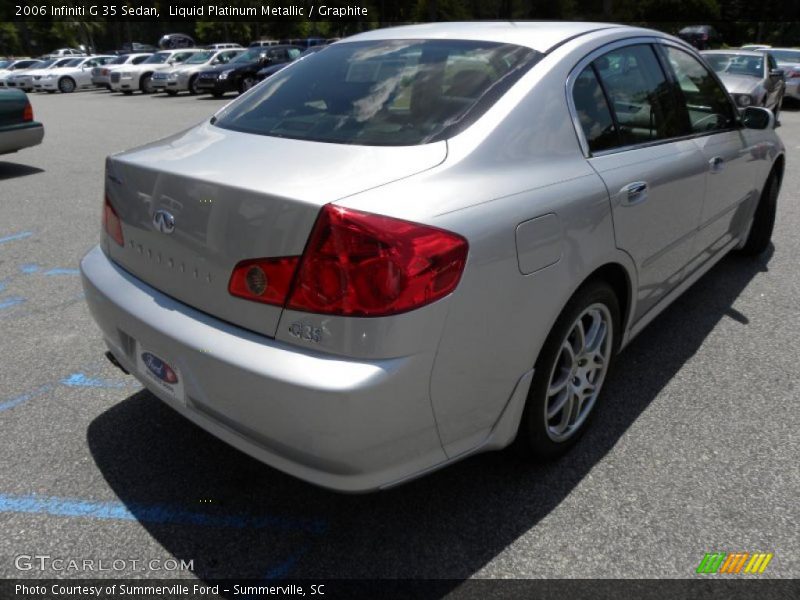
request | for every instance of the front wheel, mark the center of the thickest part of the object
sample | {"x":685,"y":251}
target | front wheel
{"x":247,"y":82}
{"x":569,"y":373}
{"x":66,"y":85}
{"x":147,"y":84}
{"x":193,"y":90}
{"x":760,"y":233}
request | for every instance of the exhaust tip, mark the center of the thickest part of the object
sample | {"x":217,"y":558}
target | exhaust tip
{"x":113,"y":360}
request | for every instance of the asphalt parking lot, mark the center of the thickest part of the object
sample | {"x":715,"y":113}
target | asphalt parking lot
{"x":695,"y":448}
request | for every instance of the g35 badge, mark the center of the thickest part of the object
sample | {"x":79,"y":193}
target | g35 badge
{"x":306,"y":332}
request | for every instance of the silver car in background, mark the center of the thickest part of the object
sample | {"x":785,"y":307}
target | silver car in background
{"x":752,"y":77}
{"x":183,"y":78}
{"x":789,"y":60}
{"x":426,"y":241}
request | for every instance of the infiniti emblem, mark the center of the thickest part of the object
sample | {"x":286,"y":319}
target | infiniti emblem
{"x":163,"y":221}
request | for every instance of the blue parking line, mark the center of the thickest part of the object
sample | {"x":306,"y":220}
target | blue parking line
{"x":150,"y":513}
{"x":17,"y":400}
{"x":62,"y":272}
{"x":12,"y":301}
{"x":82,"y":380}
{"x":16,"y":236}
{"x":28,"y":268}
{"x":283,"y":568}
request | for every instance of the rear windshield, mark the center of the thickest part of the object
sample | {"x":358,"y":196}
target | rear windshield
{"x":200,"y":58}
{"x":736,"y":64}
{"x":386,"y":93}
{"x":120,"y":60}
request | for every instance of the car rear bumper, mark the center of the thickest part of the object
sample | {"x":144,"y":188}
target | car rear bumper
{"x":23,"y":136}
{"x":345,"y":424}
{"x":793,"y":89}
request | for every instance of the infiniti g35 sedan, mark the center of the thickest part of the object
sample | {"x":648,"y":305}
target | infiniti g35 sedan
{"x":427,"y":242}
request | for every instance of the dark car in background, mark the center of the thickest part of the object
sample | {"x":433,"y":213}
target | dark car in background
{"x":18,"y":130}
{"x":274,"y":68}
{"x":702,"y":37}
{"x":240,"y":74}
{"x":173,"y":41}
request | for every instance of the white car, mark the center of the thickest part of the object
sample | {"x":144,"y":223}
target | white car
{"x":17,"y":65}
{"x":140,"y":77}
{"x":67,"y":52}
{"x":24,"y":79}
{"x":75,"y":75}
{"x":183,"y":77}
{"x":101,"y":76}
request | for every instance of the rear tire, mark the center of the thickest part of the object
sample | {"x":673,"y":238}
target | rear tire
{"x":760,"y":235}
{"x":193,"y":86}
{"x":66,"y":85}
{"x":569,"y":373}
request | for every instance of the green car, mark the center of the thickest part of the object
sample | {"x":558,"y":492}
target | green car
{"x":18,"y":130}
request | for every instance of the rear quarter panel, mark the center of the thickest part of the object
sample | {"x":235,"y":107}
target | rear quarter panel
{"x":519,"y":162}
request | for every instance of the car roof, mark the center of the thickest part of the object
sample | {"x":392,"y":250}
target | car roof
{"x":539,"y":35}
{"x":738,"y":52}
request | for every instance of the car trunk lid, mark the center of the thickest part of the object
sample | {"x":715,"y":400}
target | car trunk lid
{"x":235,"y":196}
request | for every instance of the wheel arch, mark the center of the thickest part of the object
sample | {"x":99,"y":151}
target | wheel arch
{"x":618,"y":277}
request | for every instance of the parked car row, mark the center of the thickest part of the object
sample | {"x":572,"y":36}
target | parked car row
{"x":56,"y":74}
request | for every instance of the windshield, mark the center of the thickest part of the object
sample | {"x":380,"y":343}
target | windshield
{"x":388,"y":92}
{"x":4,"y":63}
{"x":789,"y":56}
{"x":74,"y":62}
{"x":736,"y":64}
{"x":46,"y":63}
{"x":157,"y":59}
{"x":62,"y":62}
{"x":199,"y":58}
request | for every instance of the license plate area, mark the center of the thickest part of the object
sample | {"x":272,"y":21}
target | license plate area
{"x":161,"y":371}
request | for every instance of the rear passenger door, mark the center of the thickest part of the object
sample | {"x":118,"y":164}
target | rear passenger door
{"x":636,"y":137}
{"x":731,"y":171}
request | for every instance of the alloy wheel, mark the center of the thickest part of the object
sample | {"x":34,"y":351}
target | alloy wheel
{"x":578,"y":372}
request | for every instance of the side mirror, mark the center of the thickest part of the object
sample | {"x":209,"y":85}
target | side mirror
{"x":777,"y":73}
{"x":756,"y":117}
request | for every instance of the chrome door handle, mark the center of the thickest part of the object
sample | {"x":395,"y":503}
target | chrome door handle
{"x":716,"y":164}
{"x":634,"y":193}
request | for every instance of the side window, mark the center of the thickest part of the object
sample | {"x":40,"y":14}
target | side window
{"x":293,"y":53}
{"x":593,"y":113}
{"x":707,"y":103}
{"x":139,"y":59}
{"x":643,"y":101}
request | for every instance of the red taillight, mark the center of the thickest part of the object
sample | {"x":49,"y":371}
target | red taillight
{"x":264,"y":280}
{"x":358,"y":264}
{"x":793,"y":74}
{"x":366,"y":265}
{"x":27,"y":113}
{"x":111,"y":223}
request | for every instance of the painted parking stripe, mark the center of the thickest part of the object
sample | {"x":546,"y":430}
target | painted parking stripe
{"x":83,"y":380}
{"x":151,"y":513}
{"x":17,"y":400}
{"x":10,"y":302}
{"x":16,"y":236}
{"x":62,"y":272}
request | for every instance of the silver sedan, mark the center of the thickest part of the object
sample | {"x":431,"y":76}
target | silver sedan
{"x":426,"y":242}
{"x":752,"y":77}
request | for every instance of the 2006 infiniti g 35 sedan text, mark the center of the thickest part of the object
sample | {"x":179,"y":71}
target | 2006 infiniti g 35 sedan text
{"x":425,"y":241}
